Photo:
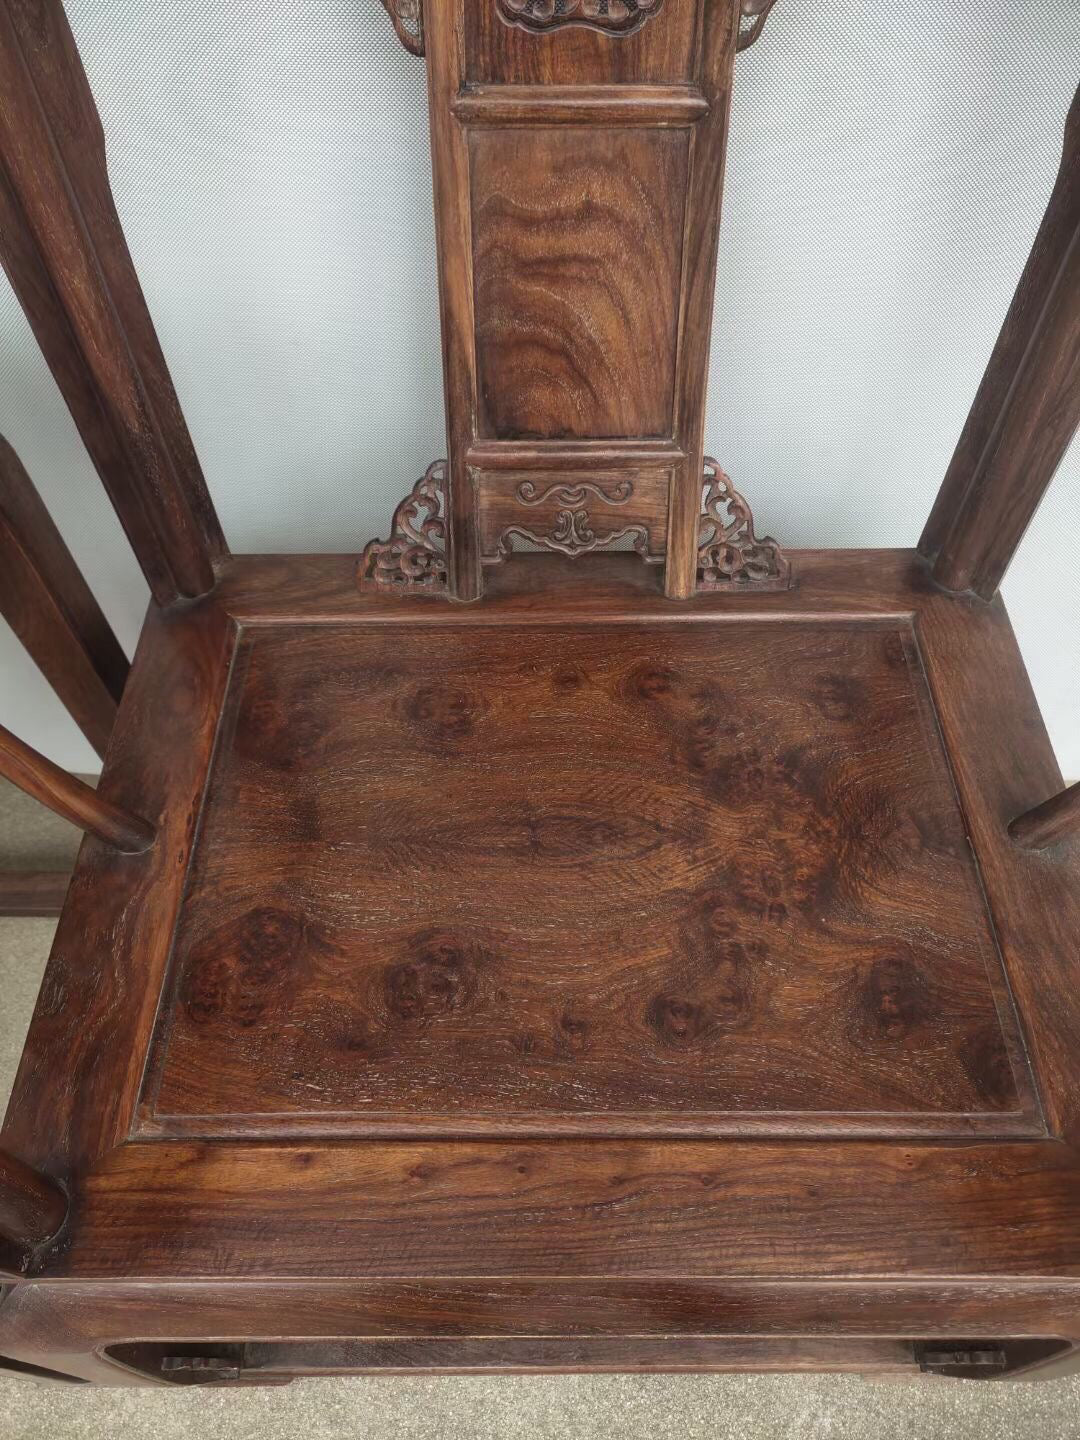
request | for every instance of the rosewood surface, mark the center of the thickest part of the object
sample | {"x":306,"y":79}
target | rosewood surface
{"x":1027,"y":408}
{"x":716,"y":897}
{"x":632,"y":970}
{"x":49,"y":606}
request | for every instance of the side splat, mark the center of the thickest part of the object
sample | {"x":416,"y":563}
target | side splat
{"x":730,"y":556}
{"x":414,"y":557}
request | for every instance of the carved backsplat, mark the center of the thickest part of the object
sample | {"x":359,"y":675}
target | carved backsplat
{"x":578,"y":150}
{"x":613,"y":17}
{"x":414,"y":558}
{"x":730,"y":555}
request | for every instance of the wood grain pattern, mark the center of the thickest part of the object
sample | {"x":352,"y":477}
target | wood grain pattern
{"x":33,"y":892}
{"x":64,"y":1323}
{"x":698,"y":295}
{"x":1027,"y":408}
{"x":650,"y":105}
{"x":577,"y":244}
{"x":48,"y":605}
{"x":70,"y":797}
{"x":1050,"y":823}
{"x":589,"y":979}
{"x":787,"y":924}
{"x":64,"y":252}
{"x":663,"y":1209}
{"x":85,"y":1052}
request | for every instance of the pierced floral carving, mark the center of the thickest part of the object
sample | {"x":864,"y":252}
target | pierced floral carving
{"x":730,"y":555}
{"x":574,"y":495}
{"x":414,"y":558}
{"x":613,"y":17}
{"x":407,"y":18}
{"x":752,"y":17}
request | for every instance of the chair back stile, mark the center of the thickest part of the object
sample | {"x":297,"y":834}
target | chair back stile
{"x":63,"y":249}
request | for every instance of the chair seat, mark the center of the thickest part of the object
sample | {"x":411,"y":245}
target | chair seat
{"x":653,"y":876}
{"x":573,"y":934}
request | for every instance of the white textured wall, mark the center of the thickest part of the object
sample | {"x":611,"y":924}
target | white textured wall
{"x":889,"y":165}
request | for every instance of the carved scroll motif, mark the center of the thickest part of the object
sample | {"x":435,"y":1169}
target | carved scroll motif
{"x":407,"y":18}
{"x":573,"y":535}
{"x":613,"y":17}
{"x":414,"y":558}
{"x":752,"y":17}
{"x":730,"y":556}
{"x":574,"y":495}
{"x":572,"y":531}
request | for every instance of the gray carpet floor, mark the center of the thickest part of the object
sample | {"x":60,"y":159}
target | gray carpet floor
{"x":616,"y":1407}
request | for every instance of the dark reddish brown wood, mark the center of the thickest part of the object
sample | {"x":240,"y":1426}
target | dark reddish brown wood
{"x":588,"y":978}
{"x":578,"y":154}
{"x":1050,"y":823}
{"x":464,"y":1009}
{"x":83,"y":1063}
{"x":1027,"y":408}
{"x":32,"y":1210}
{"x":70,"y":797}
{"x":79,"y":1328}
{"x":33,"y":892}
{"x":48,"y":604}
{"x":590,"y":352}
{"x":64,"y":252}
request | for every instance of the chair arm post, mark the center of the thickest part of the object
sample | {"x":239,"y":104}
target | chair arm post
{"x":32,"y":1210}
{"x":1047,"y":824}
{"x":71,"y":797}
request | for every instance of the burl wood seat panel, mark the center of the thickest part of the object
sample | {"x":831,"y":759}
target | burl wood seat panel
{"x":584,"y":879}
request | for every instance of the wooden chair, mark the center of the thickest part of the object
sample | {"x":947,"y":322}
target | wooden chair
{"x":665,"y":960}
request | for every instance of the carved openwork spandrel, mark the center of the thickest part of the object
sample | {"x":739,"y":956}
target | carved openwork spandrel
{"x":407,"y":18}
{"x":613,"y":17}
{"x":414,"y":558}
{"x":752,"y":17}
{"x":730,"y":556}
